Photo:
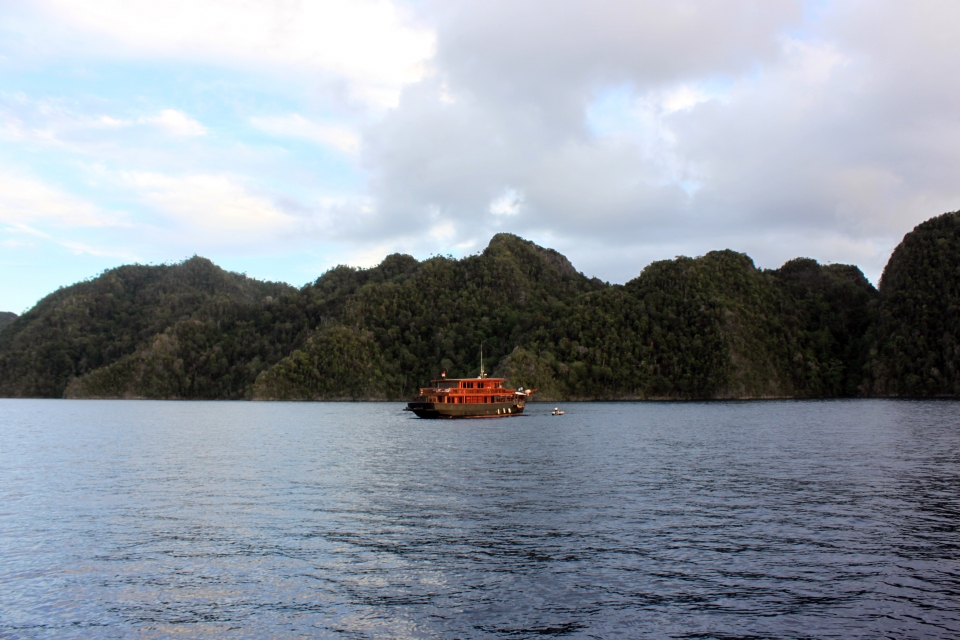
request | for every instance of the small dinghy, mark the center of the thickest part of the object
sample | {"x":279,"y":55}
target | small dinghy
{"x":556,"y":412}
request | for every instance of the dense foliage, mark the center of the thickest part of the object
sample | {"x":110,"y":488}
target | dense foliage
{"x":6,"y":317}
{"x":917,"y":339}
{"x":709,"y":327}
{"x":336,"y":362}
{"x":79,"y":329}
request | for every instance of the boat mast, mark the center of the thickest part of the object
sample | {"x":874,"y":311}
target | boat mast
{"x":482,"y":374}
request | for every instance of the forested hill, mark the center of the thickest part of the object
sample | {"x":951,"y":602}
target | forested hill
{"x":916,"y":341}
{"x":709,"y":327}
{"x":7,"y":317}
{"x":93,"y":324}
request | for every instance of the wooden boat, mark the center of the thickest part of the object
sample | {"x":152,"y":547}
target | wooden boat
{"x":480,"y":397}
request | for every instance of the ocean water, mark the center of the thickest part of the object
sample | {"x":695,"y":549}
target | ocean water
{"x":275,"y":520}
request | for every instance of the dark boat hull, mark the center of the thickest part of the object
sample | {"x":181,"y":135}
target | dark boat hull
{"x":467,"y":410}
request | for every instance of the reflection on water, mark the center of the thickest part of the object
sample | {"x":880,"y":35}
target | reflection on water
{"x":764,"y":519}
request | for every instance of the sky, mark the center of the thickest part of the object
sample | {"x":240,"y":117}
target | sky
{"x":282,"y":138}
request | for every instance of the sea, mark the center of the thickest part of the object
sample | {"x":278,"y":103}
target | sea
{"x":763,"y":519}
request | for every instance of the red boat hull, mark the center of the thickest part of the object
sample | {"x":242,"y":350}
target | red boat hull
{"x":449,"y":410}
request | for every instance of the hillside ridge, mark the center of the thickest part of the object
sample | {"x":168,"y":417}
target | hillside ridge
{"x":710,"y":327}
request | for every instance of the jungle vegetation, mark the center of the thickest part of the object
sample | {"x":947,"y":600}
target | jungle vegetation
{"x":915,"y":343}
{"x":715,"y":326}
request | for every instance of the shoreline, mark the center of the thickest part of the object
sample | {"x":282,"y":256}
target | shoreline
{"x":529,"y":402}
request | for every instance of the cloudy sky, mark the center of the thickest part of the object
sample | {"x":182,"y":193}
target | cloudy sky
{"x":282,"y":138}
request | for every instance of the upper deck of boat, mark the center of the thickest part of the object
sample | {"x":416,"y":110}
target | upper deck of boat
{"x":482,"y":390}
{"x":468,"y":383}
{"x":482,"y":386}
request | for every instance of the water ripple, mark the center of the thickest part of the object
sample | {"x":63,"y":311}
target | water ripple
{"x":686,"y":520}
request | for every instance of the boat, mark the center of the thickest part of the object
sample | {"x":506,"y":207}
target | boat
{"x":556,"y":411}
{"x":480,"y":397}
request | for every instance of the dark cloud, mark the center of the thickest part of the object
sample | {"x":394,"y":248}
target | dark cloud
{"x":776,"y":128}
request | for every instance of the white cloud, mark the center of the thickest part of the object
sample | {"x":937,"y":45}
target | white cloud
{"x":366,"y":42}
{"x":18,"y":244}
{"x":442,"y":231}
{"x":219,"y":208}
{"x":176,"y":122}
{"x":625,"y":131}
{"x":445,"y":96}
{"x":71,"y":126}
{"x":79,"y":248}
{"x":112,"y":123}
{"x":683,"y":98}
{"x":74,"y":246}
{"x":24,"y":200}
{"x":507,"y":204}
{"x":11,"y":128}
{"x":296,"y":126}
{"x":813,"y":63}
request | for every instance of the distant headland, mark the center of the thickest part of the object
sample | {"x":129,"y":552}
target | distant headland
{"x":711,"y":327}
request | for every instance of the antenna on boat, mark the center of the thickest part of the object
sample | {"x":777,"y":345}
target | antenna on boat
{"x":482,"y":374}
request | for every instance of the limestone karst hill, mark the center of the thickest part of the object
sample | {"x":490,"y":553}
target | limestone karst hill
{"x":709,"y":327}
{"x":92,"y":324}
{"x":915,"y":344}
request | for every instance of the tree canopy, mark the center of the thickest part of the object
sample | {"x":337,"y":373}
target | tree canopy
{"x":715,"y":326}
{"x":916,"y":342}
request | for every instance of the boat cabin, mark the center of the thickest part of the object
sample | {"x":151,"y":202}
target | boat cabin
{"x":469,"y":391}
